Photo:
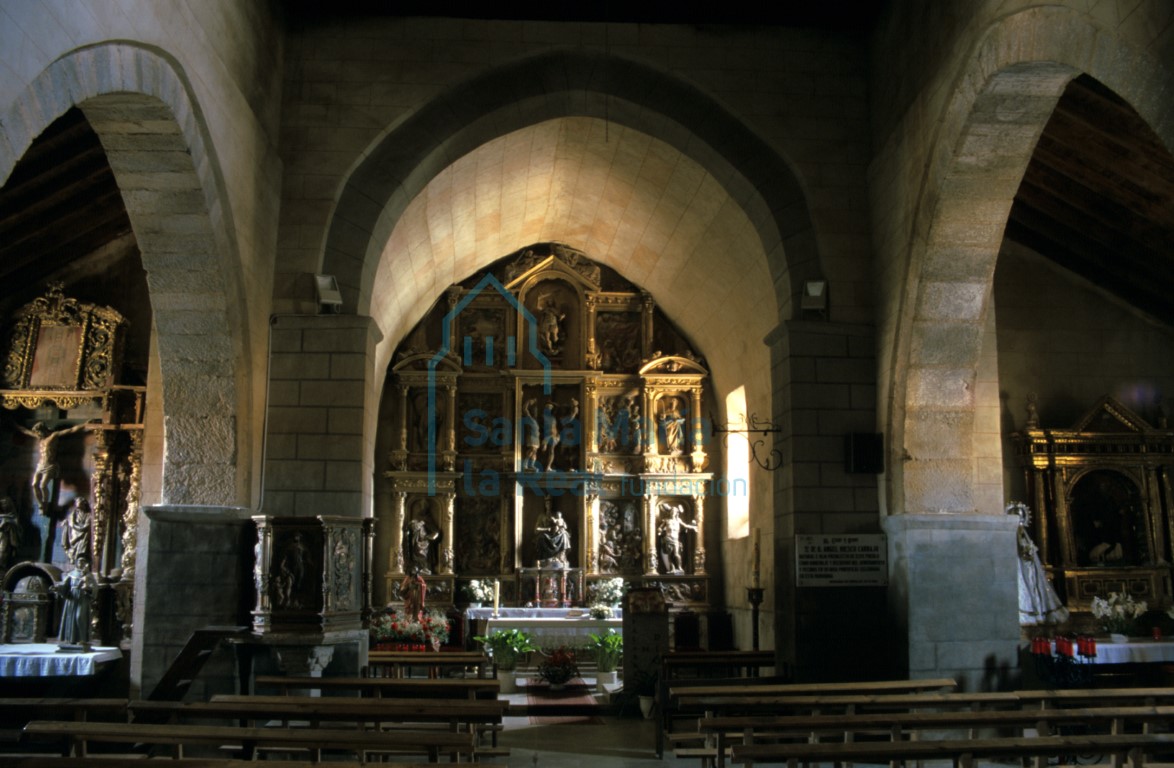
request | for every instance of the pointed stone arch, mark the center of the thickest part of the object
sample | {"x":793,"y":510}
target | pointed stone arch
{"x":559,"y":84}
{"x":1002,"y":101}
{"x":143,"y":111}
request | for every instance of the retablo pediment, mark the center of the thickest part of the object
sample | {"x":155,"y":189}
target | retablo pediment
{"x":422,"y":361}
{"x":686,"y":362}
{"x":1110,"y":416}
{"x":561,"y":260}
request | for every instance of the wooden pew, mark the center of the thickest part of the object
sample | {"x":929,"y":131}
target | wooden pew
{"x":690,"y":701}
{"x":727,"y":731}
{"x":475,"y":715}
{"x":15,"y":712}
{"x":76,"y":737}
{"x":57,"y":761}
{"x":400,"y":663}
{"x":964,"y":753}
{"x":680,"y":668}
{"x":400,"y":687}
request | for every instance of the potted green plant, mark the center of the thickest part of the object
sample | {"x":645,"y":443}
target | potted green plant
{"x":506,"y":647}
{"x":559,"y":667}
{"x":643,"y":687}
{"x":608,"y":649}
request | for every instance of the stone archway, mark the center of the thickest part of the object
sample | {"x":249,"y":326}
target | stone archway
{"x":560,"y":84}
{"x":1016,"y":74}
{"x":943,"y":566}
{"x":143,"y":112}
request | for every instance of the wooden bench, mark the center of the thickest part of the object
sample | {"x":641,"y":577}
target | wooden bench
{"x":724,"y":732}
{"x":686,"y":703}
{"x":76,"y":737}
{"x":400,"y":663}
{"x":1122,"y":748}
{"x":479,"y":715}
{"x":400,"y":687}
{"x":679,"y":668}
{"x":15,"y":712}
{"x":57,"y":761}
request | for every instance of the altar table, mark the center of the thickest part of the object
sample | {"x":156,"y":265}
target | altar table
{"x":550,"y":627}
{"x":1137,"y":651}
{"x":45,"y":660}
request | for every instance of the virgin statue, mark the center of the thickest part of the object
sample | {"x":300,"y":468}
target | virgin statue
{"x":1038,"y":601}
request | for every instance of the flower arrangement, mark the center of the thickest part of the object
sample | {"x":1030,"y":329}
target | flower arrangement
{"x":608,"y":650}
{"x":559,"y":667}
{"x":609,"y":591}
{"x":506,"y":646}
{"x":1119,"y":613}
{"x":600,"y":611}
{"x":479,"y":591}
{"x":429,"y":628}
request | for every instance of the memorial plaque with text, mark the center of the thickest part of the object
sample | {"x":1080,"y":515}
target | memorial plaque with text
{"x":851,"y":560}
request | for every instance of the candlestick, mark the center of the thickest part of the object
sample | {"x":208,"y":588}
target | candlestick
{"x":496,"y":595}
{"x":755,"y":560}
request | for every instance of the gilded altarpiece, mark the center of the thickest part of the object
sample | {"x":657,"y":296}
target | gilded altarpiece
{"x":82,"y":442}
{"x":551,"y":418}
{"x":1101,"y":490}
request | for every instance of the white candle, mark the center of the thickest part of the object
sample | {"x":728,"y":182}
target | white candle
{"x":496,"y":593}
{"x":755,"y":559}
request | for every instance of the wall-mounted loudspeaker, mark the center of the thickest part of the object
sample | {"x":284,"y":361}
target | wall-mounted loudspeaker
{"x":864,"y":453}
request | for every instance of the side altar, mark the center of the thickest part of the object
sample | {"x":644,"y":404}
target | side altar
{"x":543,"y":424}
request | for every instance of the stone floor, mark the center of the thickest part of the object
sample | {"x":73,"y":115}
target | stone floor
{"x":608,"y":742}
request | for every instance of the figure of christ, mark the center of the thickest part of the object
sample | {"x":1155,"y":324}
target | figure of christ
{"x":48,"y":471}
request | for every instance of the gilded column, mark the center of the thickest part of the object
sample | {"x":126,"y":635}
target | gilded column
{"x":1039,"y":485}
{"x":591,"y":532}
{"x":454,"y":298}
{"x":447,"y":510}
{"x":587,"y":423}
{"x":649,"y":535}
{"x":395,"y":555}
{"x":646,"y":329}
{"x":699,"y":521}
{"x":402,"y":389}
{"x":450,"y":428}
{"x":1067,"y":541}
{"x":104,"y":518}
{"x":592,"y":351}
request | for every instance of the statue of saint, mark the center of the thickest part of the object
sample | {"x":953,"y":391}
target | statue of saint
{"x":77,"y":590}
{"x":292,"y":570}
{"x":550,"y":435}
{"x":10,"y":533}
{"x":419,"y":538}
{"x":669,"y":537}
{"x":1038,"y":601}
{"x":531,"y":437}
{"x":672,"y":425}
{"x":553,"y":541}
{"x":550,"y":318}
{"x":48,"y":470}
{"x":75,"y":540}
{"x":413,"y":589}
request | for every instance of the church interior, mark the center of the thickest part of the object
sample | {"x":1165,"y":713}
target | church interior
{"x":840,"y":333}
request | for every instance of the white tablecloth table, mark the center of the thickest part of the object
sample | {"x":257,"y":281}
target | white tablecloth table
{"x":46,"y":660}
{"x":1138,"y":650}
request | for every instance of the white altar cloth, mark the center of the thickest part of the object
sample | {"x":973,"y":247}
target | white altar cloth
{"x":535,"y":613}
{"x":550,"y":633}
{"x":1137,"y":651}
{"x":45,"y":660}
